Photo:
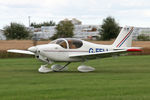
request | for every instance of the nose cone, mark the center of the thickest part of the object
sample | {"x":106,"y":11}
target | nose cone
{"x":32,"y":49}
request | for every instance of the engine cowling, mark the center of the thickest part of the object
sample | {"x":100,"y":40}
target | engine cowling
{"x":42,"y":58}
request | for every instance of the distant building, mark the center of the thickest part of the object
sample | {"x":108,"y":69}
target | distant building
{"x":2,"y":36}
{"x":139,"y":31}
{"x":80,"y":31}
{"x":86,"y":31}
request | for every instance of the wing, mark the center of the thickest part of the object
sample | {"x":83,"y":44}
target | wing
{"x":98,"y":55}
{"x":104,"y":54}
{"x":21,"y":51}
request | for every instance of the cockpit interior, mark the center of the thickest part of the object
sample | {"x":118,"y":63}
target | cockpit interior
{"x":68,"y":43}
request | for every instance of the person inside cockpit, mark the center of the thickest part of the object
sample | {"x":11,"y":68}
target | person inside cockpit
{"x":71,"y":45}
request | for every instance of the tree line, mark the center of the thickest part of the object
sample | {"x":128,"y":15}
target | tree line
{"x":109,"y":29}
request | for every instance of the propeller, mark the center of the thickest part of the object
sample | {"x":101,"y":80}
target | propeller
{"x":34,"y":49}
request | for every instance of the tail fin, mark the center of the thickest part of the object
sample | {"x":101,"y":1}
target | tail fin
{"x":124,"y":38}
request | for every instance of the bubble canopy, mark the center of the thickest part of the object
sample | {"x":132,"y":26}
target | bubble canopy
{"x":68,"y":43}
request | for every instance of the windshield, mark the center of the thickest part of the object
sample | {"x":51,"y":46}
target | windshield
{"x":62,"y":43}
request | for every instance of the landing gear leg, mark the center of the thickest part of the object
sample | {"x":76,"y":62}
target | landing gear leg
{"x":64,"y":66}
{"x":58,"y":68}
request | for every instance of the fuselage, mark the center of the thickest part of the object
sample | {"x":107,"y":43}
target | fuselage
{"x":56,"y":52}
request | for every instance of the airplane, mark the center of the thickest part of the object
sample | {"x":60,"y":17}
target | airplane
{"x":75,"y":50}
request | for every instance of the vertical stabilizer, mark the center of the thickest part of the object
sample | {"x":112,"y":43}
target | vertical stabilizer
{"x":124,"y":38}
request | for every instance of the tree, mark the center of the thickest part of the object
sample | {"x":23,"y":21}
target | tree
{"x":109,"y":29}
{"x":16,"y":31}
{"x":50,"y":23}
{"x":64,"y":29}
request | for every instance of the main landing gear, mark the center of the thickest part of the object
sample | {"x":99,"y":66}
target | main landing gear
{"x":84,"y":68}
{"x":58,"y":68}
{"x":55,"y":68}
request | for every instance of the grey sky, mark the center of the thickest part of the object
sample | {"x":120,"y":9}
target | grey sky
{"x":126,"y":12}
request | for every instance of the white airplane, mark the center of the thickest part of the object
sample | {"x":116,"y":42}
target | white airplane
{"x":76,"y":50}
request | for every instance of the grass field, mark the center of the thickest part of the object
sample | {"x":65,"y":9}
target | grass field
{"x":124,"y":78}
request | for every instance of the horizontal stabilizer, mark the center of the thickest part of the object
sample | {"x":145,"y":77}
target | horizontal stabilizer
{"x":21,"y":51}
{"x":134,"y":50}
{"x":130,"y":49}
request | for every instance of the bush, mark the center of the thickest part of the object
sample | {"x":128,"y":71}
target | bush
{"x":143,"y":37}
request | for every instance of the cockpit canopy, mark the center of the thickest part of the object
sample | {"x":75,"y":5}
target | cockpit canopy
{"x":68,"y":43}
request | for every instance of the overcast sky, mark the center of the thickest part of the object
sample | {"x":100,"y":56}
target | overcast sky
{"x":126,"y":12}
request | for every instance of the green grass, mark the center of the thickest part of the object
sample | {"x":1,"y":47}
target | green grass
{"x":124,"y":78}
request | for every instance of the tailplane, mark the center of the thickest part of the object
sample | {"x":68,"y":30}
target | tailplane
{"x":124,"y":38}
